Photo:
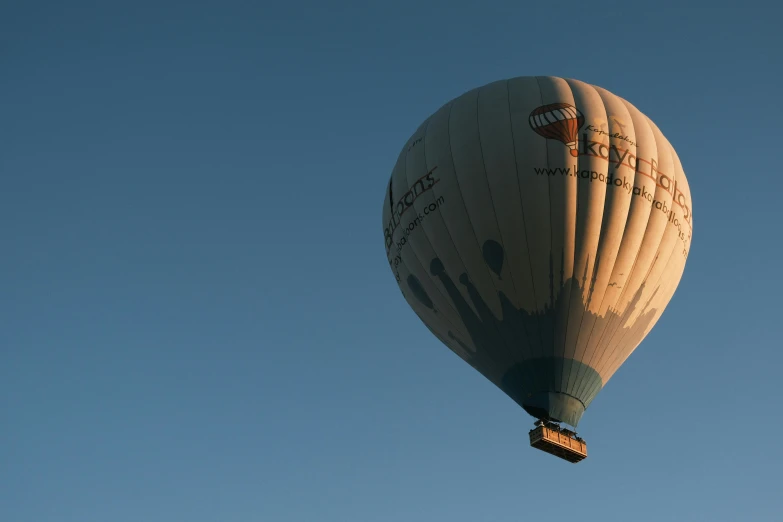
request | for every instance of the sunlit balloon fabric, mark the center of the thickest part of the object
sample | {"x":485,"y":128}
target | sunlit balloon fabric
{"x":539,"y":226}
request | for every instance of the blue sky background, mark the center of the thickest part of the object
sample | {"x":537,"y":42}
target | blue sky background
{"x":198,"y":322}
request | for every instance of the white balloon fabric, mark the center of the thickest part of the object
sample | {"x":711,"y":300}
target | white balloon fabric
{"x":539,"y":226}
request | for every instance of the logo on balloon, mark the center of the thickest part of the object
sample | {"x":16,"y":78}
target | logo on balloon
{"x":558,"y":121}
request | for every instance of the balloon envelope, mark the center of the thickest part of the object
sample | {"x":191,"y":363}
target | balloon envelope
{"x":539,"y":226}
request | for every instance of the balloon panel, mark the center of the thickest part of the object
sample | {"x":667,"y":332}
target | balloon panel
{"x":539,"y":226}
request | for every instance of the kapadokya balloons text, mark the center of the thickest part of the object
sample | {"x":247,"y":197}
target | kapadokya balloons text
{"x":539,"y":226}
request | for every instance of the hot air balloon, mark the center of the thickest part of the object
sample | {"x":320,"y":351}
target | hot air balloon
{"x":559,"y":121}
{"x":539,"y":226}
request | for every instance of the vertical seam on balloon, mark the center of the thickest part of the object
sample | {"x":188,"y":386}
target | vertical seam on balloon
{"x":617,"y":345}
{"x":610,"y":327}
{"x":445,"y":298}
{"x":622,"y":342}
{"x":609,"y":350}
{"x":580,"y":372}
{"x":494,"y":213}
{"x":608,"y":324}
{"x":601,"y":235}
{"x":487,"y":352}
{"x":524,"y":221}
{"x":596,"y":266}
{"x":444,"y":317}
{"x":559,"y":382}
{"x":669,"y":286}
{"x":663,"y":294}
{"x":475,"y":236}
{"x":630,"y":310}
{"x":620,"y":320}
{"x":418,"y":260}
{"x":573,"y":274}
{"x":573,"y":359}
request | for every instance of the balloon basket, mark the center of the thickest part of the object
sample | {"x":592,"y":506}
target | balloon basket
{"x":560,"y":442}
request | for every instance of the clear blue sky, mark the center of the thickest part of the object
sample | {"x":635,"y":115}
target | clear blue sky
{"x":198,"y":322}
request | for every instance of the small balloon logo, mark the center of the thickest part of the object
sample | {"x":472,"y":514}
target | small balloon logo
{"x":558,"y":121}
